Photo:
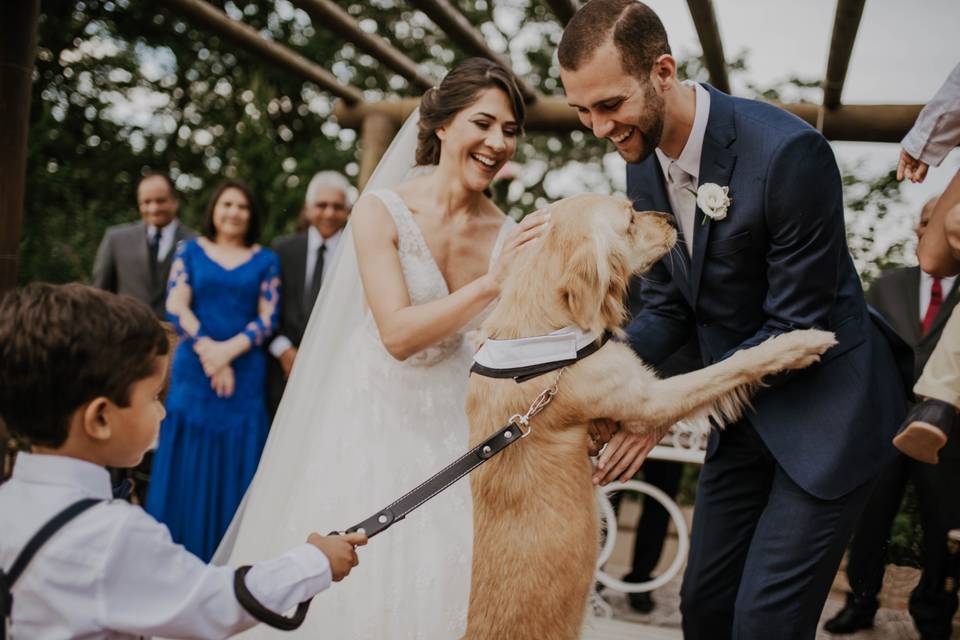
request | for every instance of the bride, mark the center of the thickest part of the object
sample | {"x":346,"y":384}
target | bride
{"x":375,"y":402}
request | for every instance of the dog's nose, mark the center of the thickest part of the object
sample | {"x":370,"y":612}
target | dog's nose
{"x":669,"y":218}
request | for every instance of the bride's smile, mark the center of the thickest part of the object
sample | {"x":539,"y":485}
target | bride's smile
{"x":479,"y":140}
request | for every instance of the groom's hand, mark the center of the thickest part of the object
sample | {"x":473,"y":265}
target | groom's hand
{"x":623,"y":456}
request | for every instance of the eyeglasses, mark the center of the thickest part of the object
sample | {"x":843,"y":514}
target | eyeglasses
{"x":336,"y":206}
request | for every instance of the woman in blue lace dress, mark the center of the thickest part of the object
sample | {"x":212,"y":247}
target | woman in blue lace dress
{"x":222,"y":299}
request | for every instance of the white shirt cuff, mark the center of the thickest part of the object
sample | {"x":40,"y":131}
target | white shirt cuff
{"x":279,"y":345}
{"x":282,"y":583}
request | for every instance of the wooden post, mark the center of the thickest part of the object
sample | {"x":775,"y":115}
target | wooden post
{"x":327,"y":14}
{"x":243,"y":35}
{"x":857,"y":122}
{"x":448,"y":17}
{"x":377,"y":133}
{"x":846,"y":22}
{"x":705,"y":21}
{"x":564,"y":9}
{"x":18,"y":42}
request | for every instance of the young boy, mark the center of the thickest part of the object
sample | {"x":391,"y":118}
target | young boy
{"x":81,"y":375}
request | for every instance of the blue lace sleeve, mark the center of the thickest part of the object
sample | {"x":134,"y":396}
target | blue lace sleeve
{"x":269,"y":306}
{"x":180,"y":277}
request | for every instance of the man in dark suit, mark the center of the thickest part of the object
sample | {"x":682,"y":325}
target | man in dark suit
{"x":757,"y":196}
{"x":917,"y":306}
{"x":134,"y":259}
{"x":302,"y":259}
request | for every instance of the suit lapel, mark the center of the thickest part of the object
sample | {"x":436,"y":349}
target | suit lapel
{"x":717,"y":160}
{"x":655,"y":199}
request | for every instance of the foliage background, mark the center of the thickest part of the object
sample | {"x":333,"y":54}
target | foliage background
{"x":126,"y":86}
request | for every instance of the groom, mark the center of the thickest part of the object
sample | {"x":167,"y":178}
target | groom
{"x":781,"y":489}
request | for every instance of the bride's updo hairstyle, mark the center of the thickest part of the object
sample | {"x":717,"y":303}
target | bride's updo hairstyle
{"x":460,"y":89}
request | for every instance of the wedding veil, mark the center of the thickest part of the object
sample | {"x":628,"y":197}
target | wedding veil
{"x":338,"y":311}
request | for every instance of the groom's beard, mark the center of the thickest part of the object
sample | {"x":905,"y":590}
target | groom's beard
{"x":650,"y":126}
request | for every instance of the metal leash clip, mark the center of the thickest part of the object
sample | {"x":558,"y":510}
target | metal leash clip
{"x":539,"y":404}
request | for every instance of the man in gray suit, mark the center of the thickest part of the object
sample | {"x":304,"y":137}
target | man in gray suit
{"x":917,"y":306}
{"x":134,"y":259}
{"x":302,"y":259}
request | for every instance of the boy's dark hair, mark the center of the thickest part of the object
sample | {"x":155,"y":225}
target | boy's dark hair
{"x":64,"y":345}
{"x":637,"y":33}
{"x":252,"y":235}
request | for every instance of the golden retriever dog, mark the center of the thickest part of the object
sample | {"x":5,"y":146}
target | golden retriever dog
{"x":536,"y":531}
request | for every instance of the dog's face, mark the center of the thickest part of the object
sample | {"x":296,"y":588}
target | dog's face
{"x":595,"y":244}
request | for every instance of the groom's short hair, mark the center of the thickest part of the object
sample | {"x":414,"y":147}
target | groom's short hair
{"x":634,"y":27}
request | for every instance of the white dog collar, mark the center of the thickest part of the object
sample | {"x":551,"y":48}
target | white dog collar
{"x":528,"y":357}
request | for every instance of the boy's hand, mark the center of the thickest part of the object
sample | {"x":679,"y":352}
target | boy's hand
{"x":910,"y":167}
{"x":340,"y":551}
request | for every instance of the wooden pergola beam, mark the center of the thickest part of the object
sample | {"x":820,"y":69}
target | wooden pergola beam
{"x":247,"y":37}
{"x":564,"y":9}
{"x":18,"y":43}
{"x":846,"y":23}
{"x":329,"y":15}
{"x":705,"y":21}
{"x":860,"y":123}
{"x":458,"y":28}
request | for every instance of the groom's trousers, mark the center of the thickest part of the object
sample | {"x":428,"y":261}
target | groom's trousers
{"x":763,"y":551}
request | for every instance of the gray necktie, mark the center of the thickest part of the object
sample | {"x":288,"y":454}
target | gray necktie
{"x":685,"y":202}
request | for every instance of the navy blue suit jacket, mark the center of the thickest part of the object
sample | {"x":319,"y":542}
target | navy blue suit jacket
{"x":779,"y":261}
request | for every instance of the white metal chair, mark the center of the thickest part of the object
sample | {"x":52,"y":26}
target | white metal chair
{"x":684,"y":443}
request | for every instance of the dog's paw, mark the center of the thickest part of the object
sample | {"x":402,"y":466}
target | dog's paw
{"x":798,"y":349}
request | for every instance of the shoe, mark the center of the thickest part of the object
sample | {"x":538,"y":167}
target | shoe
{"x":925,"y":430}
{"x":640,"y":602}
{"x":850,"y":619}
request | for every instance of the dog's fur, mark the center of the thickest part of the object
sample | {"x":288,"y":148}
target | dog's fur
{"x":535,"y":524}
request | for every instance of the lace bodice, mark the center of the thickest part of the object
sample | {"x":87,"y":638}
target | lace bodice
{"x":423,"y":277}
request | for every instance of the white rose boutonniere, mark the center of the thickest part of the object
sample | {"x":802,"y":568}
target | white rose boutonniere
{"x":714,"y":201}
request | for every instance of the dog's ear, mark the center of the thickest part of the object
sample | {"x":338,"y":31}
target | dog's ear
{"x":585,"y":282}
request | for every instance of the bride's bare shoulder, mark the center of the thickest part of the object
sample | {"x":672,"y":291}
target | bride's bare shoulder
{"x":371,"y":218}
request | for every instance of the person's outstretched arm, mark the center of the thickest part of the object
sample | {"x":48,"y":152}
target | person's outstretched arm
{"x":151,"y":586}
{"x":939,"y":248}
{"x":935,"y":133}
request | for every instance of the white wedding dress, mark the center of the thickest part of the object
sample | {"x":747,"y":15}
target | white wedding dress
{"x":371,"y":429}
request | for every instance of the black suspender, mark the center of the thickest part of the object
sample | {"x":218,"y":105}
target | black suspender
{"x":8,"y":578}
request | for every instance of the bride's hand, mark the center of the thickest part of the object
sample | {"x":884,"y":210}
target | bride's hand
{"x":530,"y":228}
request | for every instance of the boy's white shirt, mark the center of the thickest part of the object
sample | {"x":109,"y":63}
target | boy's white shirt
{"x":114,"y":572}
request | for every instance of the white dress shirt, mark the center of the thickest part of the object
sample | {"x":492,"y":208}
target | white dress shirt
{"x":314,"y":240}
{"x":926,"y":281}
{"x":937,"y":129}
{"x":168,"y":235}
{"x":114,"y":572}
{"x":678,"y":183}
